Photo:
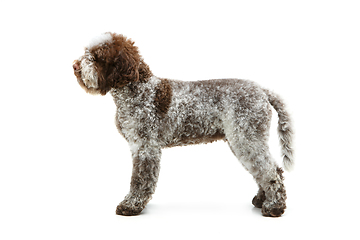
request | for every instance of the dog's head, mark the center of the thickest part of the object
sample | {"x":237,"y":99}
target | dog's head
{"x":110,"y":61}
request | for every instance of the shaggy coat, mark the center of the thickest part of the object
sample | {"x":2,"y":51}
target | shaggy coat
{"x":155,"y":113}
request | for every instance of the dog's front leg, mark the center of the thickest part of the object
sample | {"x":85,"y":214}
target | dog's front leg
{"x":146,"y":167}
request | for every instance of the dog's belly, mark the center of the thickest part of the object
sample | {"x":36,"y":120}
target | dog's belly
{"x":192,"y":127}
{"x":184,"y":139}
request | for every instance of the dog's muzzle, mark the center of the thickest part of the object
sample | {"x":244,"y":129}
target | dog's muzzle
{"x":76,"y":66}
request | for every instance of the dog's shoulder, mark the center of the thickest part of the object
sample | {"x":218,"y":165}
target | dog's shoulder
{"x":163,"y":95}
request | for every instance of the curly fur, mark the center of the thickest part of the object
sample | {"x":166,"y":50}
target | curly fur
{"x":155,"y":113}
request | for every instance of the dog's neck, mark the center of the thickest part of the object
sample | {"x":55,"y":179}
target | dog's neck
{"x":134,"y":88}
{"x":144,"y":75}
{"x":134,"y":94}
{"x":144,"y":72}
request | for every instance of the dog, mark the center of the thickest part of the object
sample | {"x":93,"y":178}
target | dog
{"x":155,"y":113}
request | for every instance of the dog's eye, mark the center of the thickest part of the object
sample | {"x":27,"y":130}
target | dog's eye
{"x":101,"y":60}
{"x":98,"y":59}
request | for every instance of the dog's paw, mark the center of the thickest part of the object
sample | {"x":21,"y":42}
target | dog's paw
{"x":275,"y":210}
{"x":257,"y":202}
{"x":259,"y":199}
{"x":128,"y":209}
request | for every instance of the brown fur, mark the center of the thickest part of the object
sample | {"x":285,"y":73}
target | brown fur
{"x":144,"y":72}
{"x":196,"y":138}
{"x":118,"y":63}
{"x":163,"y":97}
{"x":259,"y":199}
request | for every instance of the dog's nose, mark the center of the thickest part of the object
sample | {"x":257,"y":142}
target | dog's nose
{"x":76,"y":67}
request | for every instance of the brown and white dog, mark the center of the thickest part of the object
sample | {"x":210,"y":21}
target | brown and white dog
{"x":155,"y":113}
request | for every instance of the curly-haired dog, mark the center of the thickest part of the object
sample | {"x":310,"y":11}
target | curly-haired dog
{"x":155,"y":113}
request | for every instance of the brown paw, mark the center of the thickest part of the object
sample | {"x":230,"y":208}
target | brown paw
{"x":259,"y":200}
{"x":273,"y":212}
{"x":124,"y":210}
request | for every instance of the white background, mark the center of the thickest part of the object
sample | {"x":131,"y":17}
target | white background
{"x":64,"y":168}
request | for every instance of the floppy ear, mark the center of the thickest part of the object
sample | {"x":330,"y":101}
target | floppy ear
{"x":104,"y":85}
{"x":126,"y":65}
{"x":102,"y":58}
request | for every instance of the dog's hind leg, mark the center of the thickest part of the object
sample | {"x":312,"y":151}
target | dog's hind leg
{"x":248,"y":141}
{"x":146,"y":168}
{"x":255,"y":157}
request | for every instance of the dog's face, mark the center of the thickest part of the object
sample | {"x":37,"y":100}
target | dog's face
{"x":110,"y":61}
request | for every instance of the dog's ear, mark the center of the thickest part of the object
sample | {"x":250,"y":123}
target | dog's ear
{"x":104,"y":84}
{"x":125,"y":68}
{"x":102,"y":56}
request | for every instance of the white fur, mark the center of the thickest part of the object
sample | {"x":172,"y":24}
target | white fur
{"x":88,"y":72}
{"x":101,"y":39}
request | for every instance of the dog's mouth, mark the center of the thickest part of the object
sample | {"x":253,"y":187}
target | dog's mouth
{"x":77,"y":74}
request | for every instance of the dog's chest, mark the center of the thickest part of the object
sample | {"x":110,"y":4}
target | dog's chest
{"x":135,"y":113}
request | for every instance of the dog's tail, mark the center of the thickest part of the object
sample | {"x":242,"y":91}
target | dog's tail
{"x":285,"y":129}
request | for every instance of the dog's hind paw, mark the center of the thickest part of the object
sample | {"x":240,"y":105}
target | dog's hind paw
{"x":273,"y":211}
{"x":126,"y":211}
{"x":125,"y":208}
{"x":259,"y":199}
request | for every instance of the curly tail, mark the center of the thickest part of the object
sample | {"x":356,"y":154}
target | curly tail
{"x":285,"y":129}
